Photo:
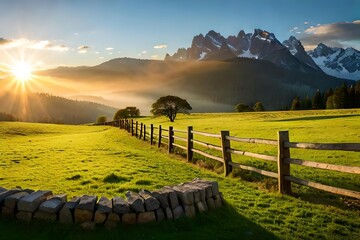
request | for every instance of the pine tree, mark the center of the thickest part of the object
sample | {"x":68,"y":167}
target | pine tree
{"x":317,"y":100}
{"x":295,"y":104}
{"x":352,"y":97}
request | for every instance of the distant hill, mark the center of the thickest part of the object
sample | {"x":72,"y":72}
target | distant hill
{"x":40,"y":107}
{"x":209,"y":86}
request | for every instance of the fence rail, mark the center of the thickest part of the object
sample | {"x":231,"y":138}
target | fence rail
{"x":283,"y":158}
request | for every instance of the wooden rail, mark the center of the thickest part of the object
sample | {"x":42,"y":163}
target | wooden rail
{"x":325,"y":146}
{"x":253,"y":140}
{"x":283,"y":158}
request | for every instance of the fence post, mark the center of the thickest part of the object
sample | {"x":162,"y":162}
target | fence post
{"x":171,"y":140}
{"x":189,"y":144}
{"x":283,"y":168}
{"x":225,"y":145}
{"x":151,"y":134}
{"x":132,"y":127}
{"x":144,"y":132}
{"x":125,"y":124}
{"x":159,"y":142}
{"x":136,"y":128}
{"x":141,"y":130}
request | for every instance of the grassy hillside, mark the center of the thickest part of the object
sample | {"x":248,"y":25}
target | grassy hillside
{"x":46,"y":108}
{"x":106,"y":161}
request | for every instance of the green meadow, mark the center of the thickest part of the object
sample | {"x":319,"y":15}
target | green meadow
{"x":106,"y":161}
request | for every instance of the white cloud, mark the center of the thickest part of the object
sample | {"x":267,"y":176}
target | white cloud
{"x":160,"y":46}
{"x":340,"y":34}
{"x":76,"y":34}
{"x":109,"y":48}
{"x":295,"y":28}
{"x":32,"y":44}
{"x":97,"y":52}
{"x":298,"y":32}
{"x":306,"y":23}
{"x":143,"y":52}
{"x":83,"y":49}
{"x":154,"y":56}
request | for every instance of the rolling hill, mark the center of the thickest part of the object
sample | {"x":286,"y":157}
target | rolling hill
{"x":209,"y":86}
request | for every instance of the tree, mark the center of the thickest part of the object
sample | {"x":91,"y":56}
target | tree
{"x":128,"y":112}
{"x":101,"y":119}
{"x":242,"y":108}
{"x":306,"y":103}
{"x":295,"y":104}
{"x":258,"y":107}
{"x":169,"y":106}
{"x":317,"y":100}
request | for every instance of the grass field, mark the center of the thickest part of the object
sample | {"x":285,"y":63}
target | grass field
{"x":106,"y":161}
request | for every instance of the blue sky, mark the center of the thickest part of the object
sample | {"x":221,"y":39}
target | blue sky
{"x":88,"y":32}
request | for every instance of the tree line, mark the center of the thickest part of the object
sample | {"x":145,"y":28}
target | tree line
{"x":341,"y":97}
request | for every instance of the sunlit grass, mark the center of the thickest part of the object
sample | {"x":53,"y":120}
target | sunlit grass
{"x":105,"y":161}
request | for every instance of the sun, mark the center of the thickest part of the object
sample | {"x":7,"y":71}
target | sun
{"x":22,"y":71}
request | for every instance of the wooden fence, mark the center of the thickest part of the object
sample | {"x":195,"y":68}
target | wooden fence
{"x":158,"y":134}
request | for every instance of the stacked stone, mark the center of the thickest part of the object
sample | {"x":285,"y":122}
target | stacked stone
{"x":170,"y":202}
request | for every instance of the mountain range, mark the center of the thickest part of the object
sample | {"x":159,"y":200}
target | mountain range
{"x":290,"y":54}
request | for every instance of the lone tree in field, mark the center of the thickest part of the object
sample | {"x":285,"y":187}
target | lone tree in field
{"x":128,"y":112}
{"x":101,"y":119}
{"x":169,"y":106}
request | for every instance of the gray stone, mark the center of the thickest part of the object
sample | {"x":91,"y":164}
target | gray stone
{"x":72,"y":204}
{"x":210,"y":203}
{"x":214,"y":187}
{"x":136,"y":202}
{"x":31,"y":202}
{"x":104,"y":205}
{"x":145,"y":217}
{"x":83,"y":215}
{"x":24,"y":216}
{"x":12,"y":200}
{"x":2,"y":189}
{"x":46,"y":216}
{"x":186,"y":196}
{"x":120,"y":205}
{"x":151,"y":203}
{"x":52,"y":205}
{"x":168,"y":213}
{"x":5,"y":211}
{"x":201,"y":192}
{"x":129,"y":218}
{"x":189,"y":210}
{"x":7,"y":193}
{"x":178,"y":212}
{"x":87,"y":203}
{"x":113,"y":217}
{"x":201,"y":207}
{"x":195,"y":190}
{"x":66,"y":214}
{"x":61,"y":197}
{"x":162,"y":198}
{"x":159,"y":214}
{"x":218,"y":201}
{"x":171,"y":196}
{"x":99,"y":217}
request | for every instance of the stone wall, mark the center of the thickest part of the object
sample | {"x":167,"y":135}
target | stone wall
{"x":170,"y":202}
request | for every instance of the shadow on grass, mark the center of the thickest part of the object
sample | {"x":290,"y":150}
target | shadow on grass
{"x":224,"y":223}
{"x":312,"y":118}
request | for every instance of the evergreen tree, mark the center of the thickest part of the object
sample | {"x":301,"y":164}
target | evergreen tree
{"x":306,"y":103}
{"x":330,"y":103}
{"x":317,"y":100}
{"x":357,"y":94}
{"x":352,"y":97}
{"x":329,"y":93}
{"x":295,"y":104}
